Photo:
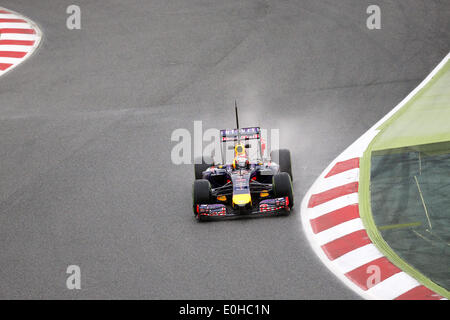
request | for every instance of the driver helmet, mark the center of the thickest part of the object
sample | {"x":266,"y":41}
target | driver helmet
{"x":241,"y":159}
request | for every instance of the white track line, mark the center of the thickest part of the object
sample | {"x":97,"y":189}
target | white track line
{"x":6,"y":47}
{"x":356,"y":258}
{"x":393,"y":286}
{"x":19,"y":36}
{"x":332,"y":205}
{"x":339,"y":231}
{"x":339,"y":180}
{"x":15,"y":25}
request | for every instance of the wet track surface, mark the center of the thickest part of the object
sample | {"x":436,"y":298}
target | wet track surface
{"x":86,"y":176}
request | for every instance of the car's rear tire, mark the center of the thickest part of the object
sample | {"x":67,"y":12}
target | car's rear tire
{"x":283,"y":158}
{"x":199,"y":166}
{"x":282,"y":187}
{"x":201,"y":194}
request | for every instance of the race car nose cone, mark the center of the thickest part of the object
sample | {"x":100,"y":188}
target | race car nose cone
{"x":242,"y":199}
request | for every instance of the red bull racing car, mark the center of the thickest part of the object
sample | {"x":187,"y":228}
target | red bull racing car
{"x":248,"y":185}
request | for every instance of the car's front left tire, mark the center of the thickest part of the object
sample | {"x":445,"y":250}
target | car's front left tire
{"x":282,"y":187}
{"x":201,"y":194}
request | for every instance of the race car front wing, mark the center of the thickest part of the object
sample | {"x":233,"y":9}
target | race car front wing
{"x":265,"y":207}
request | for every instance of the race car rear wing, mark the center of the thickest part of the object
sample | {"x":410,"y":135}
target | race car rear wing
{"x":240,"y":134}
{"x":231,"y":137}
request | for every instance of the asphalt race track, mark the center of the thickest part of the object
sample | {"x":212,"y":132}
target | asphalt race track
{"x":86,"y":176}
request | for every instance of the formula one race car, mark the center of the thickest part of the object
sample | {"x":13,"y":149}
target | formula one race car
{"x":249,"y":185}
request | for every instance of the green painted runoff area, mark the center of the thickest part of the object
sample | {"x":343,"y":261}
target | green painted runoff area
{"x":405,"y":185}
{"x":425,"y":119}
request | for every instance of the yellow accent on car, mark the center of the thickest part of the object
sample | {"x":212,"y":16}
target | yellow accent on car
{"x":241,"y":199}
{"x":222,"y":198}
{"x":264,"y":194}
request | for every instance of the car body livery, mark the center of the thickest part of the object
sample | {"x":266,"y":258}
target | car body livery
{"x":248,"y":185}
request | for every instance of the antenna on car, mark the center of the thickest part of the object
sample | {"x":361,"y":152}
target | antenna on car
{"x":237,"y":122}
{"x":237,"y":118}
